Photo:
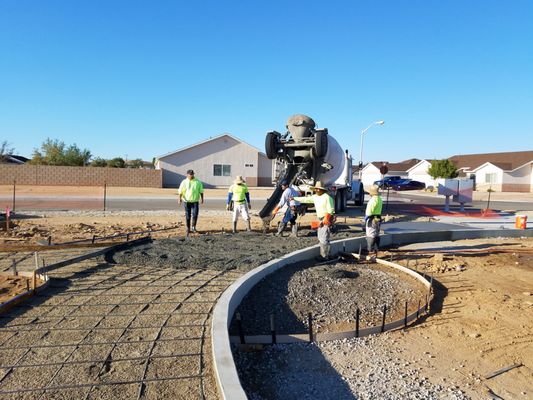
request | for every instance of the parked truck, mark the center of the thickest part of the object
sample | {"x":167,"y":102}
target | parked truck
{"x":304,"y":155}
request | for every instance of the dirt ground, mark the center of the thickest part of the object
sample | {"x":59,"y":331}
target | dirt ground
{"x":10,"y":286}
{"x":484,"y":320}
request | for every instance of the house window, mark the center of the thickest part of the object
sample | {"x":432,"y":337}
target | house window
{"x":221,"y":170}
{"x":490,"y":178}
{"x":249,"y":165}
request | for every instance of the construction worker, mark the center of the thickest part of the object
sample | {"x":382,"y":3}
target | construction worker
{"x":238,"y":193}
{"x":373,"y":220}
{"x":291,"y":212}
{"x":191,"y":190}
{"x":325,"y":210}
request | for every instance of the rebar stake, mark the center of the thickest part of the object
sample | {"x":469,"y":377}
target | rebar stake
{"x":272,"y":328}
{"x":310,"y":321}
{"x":383,"y":320}
{"x":357,"y":317}
{"x":239,"y":327}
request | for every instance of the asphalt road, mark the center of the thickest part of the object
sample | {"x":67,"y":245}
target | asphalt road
{"x":398,"y":201}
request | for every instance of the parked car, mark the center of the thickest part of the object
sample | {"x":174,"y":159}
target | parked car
{"x":388,"y":181}
{"x":407,"y":184}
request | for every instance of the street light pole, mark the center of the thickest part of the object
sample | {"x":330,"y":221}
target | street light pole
{"x":361,"y":148}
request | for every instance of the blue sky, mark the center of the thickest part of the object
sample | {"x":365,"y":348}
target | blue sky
{"x":142,"y":78}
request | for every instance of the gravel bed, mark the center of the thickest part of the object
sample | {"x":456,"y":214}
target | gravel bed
{"x":373,"y":367}
{"x":332,"y":293}
{"x":243,"y":251}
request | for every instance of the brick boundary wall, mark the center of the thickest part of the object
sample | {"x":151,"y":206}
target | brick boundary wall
{"x":47,"y":175}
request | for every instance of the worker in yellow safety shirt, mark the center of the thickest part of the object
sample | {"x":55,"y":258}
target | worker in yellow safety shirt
{"x":325,"y":211}
{"x":238,"y":193}
{"x":373,"y":220}
{"x":191,"y":191}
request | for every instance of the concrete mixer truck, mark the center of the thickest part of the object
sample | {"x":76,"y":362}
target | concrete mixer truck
{"x":304,"y":155}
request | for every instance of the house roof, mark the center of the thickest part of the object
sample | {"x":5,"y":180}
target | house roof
{"x":13,"y":159}
{"x":209,"y":140}
{"x":401,"y":166}
{"x":507,"y":161}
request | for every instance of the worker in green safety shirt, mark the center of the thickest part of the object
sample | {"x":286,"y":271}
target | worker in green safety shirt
{"x":325,"y":211}
{"x":238,"y":193}
{"x":191,"y":191}
{"x":373,"y":220}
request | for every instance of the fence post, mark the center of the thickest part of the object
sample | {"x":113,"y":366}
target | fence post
{"x":239,"y":327}
{"x":418,"y":309}
{"x":14,"y":266}
{"x":357,"y":317}
{"x":383,"y":320}
{"x":310,"y":321}
{"x":93,"y":239}
{"x":14,"y":191}
{"x":273,"y":329}
{"x":105,"y":195}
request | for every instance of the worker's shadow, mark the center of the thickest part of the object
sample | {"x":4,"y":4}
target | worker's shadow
{"x":271,"y":297}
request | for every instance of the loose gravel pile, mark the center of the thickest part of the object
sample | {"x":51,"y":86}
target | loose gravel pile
{"x":374,"y":367}
{"x":332,"y":293}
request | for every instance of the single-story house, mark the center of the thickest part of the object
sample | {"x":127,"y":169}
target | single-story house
{"x":419,"y":172}
{"x":216,"y":161}
{"x":371,"y":173}
{"x":501,"y":172}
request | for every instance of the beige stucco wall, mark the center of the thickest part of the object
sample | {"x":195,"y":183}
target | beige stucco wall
{"x":201,"y":158}
{"x":518,"y":180}
{"x":49,"y":175}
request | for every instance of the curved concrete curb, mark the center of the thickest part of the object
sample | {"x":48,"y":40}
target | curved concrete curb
{"x":224,"y":366}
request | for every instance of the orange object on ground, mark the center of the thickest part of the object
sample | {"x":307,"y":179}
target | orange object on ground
{"x":315,"y":224}
{"x":521,"y":222}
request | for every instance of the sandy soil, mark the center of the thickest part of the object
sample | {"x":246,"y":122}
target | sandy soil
{"x":67,"y":226}
{"x":10,"y":286}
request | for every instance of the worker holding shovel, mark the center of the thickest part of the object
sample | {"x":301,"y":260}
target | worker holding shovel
{"x":291,"y":213}
{"x":373,"y":220}
{"x":325,"y":211}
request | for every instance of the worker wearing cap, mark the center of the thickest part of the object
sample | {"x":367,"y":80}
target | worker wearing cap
{"x":325,"y":210}
{"x":373,"y":219}
{"x":291,"y":212}
{"x":191,"y":191}
{"x":238,"y":193}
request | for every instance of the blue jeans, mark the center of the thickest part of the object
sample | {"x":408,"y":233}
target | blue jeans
{"x":290,"y":216}
{"x":191,"y":209}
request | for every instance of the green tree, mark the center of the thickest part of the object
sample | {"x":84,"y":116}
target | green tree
{"x":137,"y":163}
{"x":442,"y":169}
{"x":99,"y":162}
{"x":117,"y":162}
{"x":55,"y":152}
{"x":6,"y":149}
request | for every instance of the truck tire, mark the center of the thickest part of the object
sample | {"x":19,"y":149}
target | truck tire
{"x":271,"y":145}
{"x":338,"y":201}
{"x":321,"y":144}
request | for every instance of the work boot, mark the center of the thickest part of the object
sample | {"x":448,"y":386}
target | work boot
{"x":281,"y":227}
{"x":248,"y":226}
{"x":294,"y":230}
{"x":234,"y":229}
